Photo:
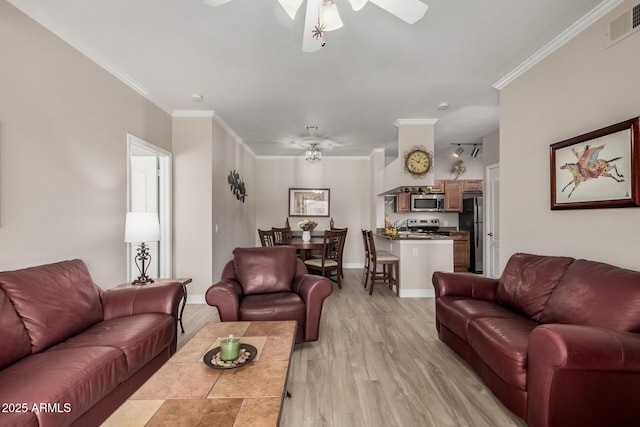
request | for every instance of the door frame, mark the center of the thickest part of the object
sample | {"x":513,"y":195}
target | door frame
{"x":492,"y":220}
{"x":165,"y":248}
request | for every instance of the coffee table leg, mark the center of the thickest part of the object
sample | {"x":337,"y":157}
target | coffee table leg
{"x":184,"y":302}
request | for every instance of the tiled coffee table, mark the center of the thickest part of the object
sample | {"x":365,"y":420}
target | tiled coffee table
{"x":186,"y":392}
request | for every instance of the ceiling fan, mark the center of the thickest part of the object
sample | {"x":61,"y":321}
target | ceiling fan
{"x":322,"y":15}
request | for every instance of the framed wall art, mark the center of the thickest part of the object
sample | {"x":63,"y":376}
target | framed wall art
{"x":600,"y":169}
{"x":309,"y":202}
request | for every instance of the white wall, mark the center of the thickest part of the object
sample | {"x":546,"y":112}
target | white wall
{"x":350,"y":185}
{"x":63,"y":161}
{"x":581,"y":87}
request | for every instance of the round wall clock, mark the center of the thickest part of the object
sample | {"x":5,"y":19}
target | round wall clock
{"x":417,"y":161}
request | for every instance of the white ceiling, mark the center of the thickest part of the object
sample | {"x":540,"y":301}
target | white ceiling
{"x":245,"y":58}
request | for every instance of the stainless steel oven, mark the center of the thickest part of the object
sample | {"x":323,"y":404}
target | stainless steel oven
{"x":427,"y":202}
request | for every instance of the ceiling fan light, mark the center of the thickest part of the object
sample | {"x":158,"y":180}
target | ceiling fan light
{"x":358,"y":4}
{"x":291,"y":7}
{"x":330,"y":16}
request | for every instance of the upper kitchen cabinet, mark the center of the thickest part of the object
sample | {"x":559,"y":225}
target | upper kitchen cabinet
{"x":438,"y":186}
{"x":453,"y":196}
{"x":403,"y":202}
{"x":472,"y":186}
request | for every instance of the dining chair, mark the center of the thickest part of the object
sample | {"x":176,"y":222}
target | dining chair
{"x":267,"y":237}
{"x":282,"y":236}
{"x":390,"y":274}
{"x":365,"y":271}
{"x":331,"y":260}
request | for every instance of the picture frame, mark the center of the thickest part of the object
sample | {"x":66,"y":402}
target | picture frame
{"x":309,"y":202}
{"x":600,"y":169}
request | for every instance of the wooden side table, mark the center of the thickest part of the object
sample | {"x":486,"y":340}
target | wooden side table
{"x":184,"y":282}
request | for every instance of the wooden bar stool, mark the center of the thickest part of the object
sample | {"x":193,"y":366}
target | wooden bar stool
{"x":390,"y":274}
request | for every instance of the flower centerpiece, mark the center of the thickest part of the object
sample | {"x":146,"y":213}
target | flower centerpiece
{"x":307,"y":225}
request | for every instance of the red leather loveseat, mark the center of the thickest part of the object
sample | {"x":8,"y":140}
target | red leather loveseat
{"x":71,"y":353}
{"x":557,"y":340}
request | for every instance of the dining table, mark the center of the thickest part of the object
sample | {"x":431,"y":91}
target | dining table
{"x":305,"y":248}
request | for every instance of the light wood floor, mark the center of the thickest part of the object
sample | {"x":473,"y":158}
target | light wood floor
{"x":378,"y":362}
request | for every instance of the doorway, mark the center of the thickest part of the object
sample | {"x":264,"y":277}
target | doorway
{"x":492,"y":223}
{"x":149,"y":190}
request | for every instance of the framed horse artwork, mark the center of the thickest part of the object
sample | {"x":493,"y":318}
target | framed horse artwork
{"x":600,"y":169}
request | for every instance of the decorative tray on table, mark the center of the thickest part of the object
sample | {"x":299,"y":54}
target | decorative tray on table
{"x":247,"y":354}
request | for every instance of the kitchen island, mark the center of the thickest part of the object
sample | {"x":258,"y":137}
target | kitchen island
{"x":420,"y":256}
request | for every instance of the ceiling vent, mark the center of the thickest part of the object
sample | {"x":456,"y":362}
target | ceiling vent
{"x":624,"y":25}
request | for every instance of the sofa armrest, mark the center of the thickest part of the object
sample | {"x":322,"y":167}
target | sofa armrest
{"x":225,"y":295}
{"x":582,"y":375}
{"x":154,"y":298}
{"x":313,"y":290}
{"x":464,"y":285}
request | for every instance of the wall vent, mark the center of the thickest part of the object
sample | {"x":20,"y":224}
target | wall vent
{"x":624,"y":25}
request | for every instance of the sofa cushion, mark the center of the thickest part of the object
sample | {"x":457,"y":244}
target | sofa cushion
{"x":71,"y":380}
{"x":265,"y":270}
{"x":596,"y":294}
{"x":502,"y":344}
{"x":141,"y":337}
{"x":271,"y":307}
{"x":15,"y":341}
{"x":54,"y":301}
{"x":528,"y":280}
{"x":456,"y":313}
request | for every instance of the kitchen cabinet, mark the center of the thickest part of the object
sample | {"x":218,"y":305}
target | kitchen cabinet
{"x":438,"y":186}
{"x":461,"y":252}
{"x":453,"y":196}
{"x":472,"y":186}
{"x":403,"y":202}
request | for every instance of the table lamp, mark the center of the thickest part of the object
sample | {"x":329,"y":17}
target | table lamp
{"x":142,"y":227}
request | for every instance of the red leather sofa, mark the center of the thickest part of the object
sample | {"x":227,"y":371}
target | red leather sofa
{"x":555,"y":339}
{"x":270,"y":283}
{"x":70,"y":353}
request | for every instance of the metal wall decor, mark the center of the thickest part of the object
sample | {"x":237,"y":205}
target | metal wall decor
{"x":237,"y":186}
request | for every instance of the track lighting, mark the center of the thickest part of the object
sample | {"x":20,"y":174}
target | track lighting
{"x":475,"y":151}
{"x":459,"y":151}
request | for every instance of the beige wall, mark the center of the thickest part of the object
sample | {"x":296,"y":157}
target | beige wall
{"x":204,"y":153}
{"x":347,"y":178}
{"x":63,"y":132}
{"x":581,"y":87}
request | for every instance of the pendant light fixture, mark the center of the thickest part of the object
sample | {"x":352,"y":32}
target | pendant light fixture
{"x":313,"y":153}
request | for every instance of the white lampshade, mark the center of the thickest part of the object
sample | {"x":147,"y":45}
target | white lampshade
{"x":330,"y":16}
{"x":142,"y":227}
{"x":291,"y":7}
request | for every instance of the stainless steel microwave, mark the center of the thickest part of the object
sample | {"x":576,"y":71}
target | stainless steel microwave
{"x":427,"y":202}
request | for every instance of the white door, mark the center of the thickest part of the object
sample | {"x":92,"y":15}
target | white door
{"x":149,"y":190}
{"x":492,"y":221}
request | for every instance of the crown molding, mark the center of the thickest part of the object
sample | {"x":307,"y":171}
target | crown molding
{"x":582,"y":24}
{"x":402,"y":122}
{"x":324,"y":157}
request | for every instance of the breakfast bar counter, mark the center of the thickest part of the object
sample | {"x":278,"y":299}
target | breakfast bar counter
{"x":420,"y":256}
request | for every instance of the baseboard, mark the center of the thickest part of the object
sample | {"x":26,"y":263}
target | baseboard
{"x":196,"y":299}
{"x":417,"y":293}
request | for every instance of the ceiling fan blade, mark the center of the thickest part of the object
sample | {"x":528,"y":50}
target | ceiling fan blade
{"x":410,"y":11}
{"x":291,"y":7}
{"x":357,"y":4}
{"x":310,"y":43}
{"x":215,"y":3}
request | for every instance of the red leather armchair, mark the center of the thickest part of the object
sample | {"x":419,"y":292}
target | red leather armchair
{"x":270,"y":283}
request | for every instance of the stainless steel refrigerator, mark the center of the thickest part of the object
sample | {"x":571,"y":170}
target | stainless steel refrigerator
{"x":470,"y":219}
